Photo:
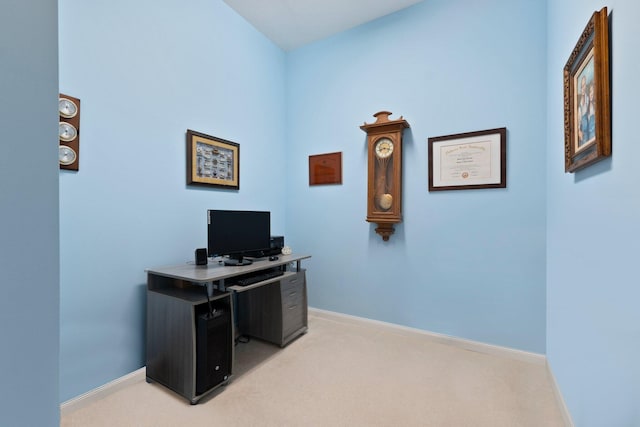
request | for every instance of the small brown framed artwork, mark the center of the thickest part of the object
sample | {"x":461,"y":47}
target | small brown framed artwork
{"x":468,"y":161}
{"x":325,"y":169}
{"x":587,"y":108}
{"x":212,"y":161}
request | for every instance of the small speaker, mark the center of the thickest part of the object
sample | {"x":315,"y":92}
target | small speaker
{"x":201,"y":256}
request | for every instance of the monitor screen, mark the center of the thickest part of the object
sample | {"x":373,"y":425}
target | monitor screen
{"x":238,"y":234}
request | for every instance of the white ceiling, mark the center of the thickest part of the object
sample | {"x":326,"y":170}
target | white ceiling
{"x":293,"y":23}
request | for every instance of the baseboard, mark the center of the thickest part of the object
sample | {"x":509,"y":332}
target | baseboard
{"x":525,"y":356}
{"x":102,"y":391}
{"x":566,"y":415}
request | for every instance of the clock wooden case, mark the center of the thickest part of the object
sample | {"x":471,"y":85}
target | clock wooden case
{"x":384,"y":194}
{"x":69,"y":132}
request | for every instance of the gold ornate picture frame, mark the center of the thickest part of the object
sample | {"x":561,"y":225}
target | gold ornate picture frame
{"x":587,"y":105}
{"x":212,"y":161}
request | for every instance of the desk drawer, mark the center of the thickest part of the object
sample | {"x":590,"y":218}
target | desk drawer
{"x":293,"y":318}
{"x":294,"y":303}
{"x":293,"y":295}
{"x":289,"y":282}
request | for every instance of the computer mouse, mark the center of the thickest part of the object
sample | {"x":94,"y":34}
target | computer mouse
{"x":273,"y":258}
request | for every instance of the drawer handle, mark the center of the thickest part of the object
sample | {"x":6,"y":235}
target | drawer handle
{"x":293,"y":280}
{"x":292,"y":293}
{"x":291,"y":307}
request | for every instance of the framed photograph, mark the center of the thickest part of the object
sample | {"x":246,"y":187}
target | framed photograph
{"x":325,"y":169}
{"x":468,"y":161}
{"x":212,"y":161}
{"x":587,"y":108}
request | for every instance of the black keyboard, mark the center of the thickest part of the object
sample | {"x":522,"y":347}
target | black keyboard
{"x":260,"y":277}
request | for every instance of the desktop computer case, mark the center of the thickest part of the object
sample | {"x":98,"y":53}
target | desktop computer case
{"x":213,"y":355}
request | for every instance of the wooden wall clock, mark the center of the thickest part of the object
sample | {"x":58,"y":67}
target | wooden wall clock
{"x":384,"y":193}
{"x":69,"y":132}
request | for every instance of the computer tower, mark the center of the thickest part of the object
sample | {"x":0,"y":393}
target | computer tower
{"x":213,"y":349}
{"x":276,"y":245}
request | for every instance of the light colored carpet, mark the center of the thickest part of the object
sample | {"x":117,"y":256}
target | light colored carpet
{"x":347,"y":373}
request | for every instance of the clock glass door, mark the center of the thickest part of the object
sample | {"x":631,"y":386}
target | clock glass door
{"x":383,"y":199}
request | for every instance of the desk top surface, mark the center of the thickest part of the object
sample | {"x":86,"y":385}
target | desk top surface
{"x":217,"y":271}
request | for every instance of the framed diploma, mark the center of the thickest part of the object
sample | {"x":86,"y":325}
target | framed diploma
{"x":587,"y":104}
{"x":468,"y":161}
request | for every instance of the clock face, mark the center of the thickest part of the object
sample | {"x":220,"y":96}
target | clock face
{"x":384,"y":148}
{"x":67,"y":132}
{"x":67,"y":108}
{"x":66,"y":155}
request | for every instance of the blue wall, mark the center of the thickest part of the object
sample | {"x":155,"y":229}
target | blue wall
{"x":29,"y":254}
{"x":593,"y":331}
{"x":145,"y":71}
{"x":472,"y":264}
{"x":464,"y":263}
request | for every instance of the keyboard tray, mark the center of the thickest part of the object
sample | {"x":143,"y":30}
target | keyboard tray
{"x":260,"y":276}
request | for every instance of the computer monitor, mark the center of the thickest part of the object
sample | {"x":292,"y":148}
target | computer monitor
{"x":237,"y":234}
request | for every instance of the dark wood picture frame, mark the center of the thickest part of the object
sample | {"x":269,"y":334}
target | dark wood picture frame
{"x":468,"y":161}
{"x":212,"y":161}
{"x":325,"y":169}
{"x":587,"y":107}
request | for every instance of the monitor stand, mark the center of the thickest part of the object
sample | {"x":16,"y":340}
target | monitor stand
{"x":237,"y":261}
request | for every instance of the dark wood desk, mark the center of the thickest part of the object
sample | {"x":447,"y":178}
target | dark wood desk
{"x":273,"y":310}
